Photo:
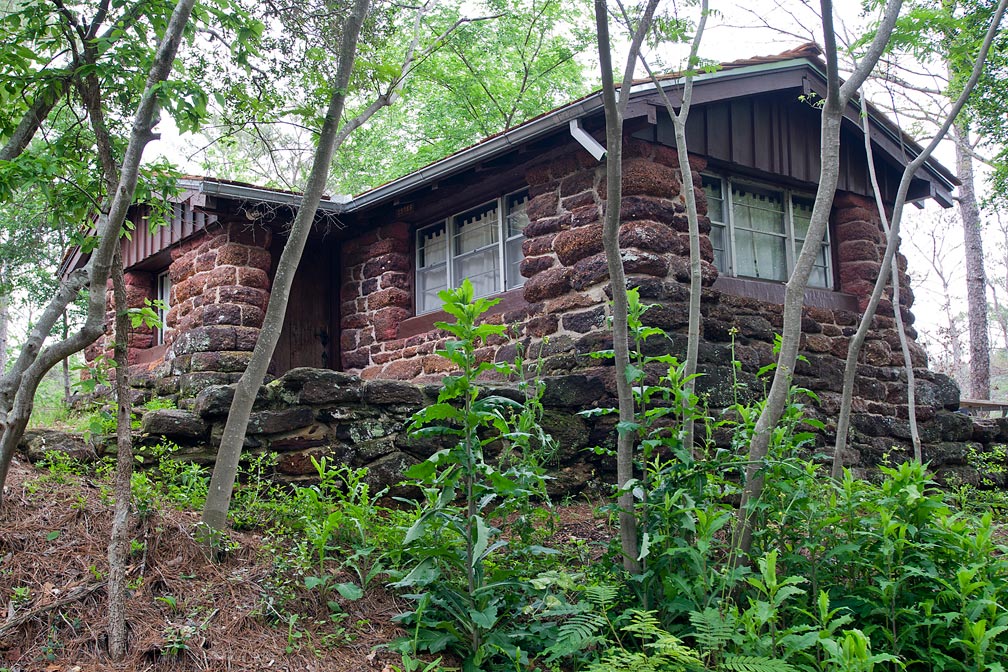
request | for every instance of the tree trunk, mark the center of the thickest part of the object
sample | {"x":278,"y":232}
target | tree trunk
{"x":837,"y":97}
{"x":66,"y":363}
{"x":891,"y":241}
{"x":18,"y":386}
{"x":4,"y":319}
{"x":976,"y":276}
{"x":119,"y":542}
{"x":226,"y":467}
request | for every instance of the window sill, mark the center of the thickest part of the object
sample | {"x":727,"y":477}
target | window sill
{"x":513,"y":299}
{"x":773,"y":292}
{"x":151,"y":354}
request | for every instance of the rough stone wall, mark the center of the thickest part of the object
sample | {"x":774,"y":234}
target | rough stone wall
{"x":566,"y":300}
{"x":364,"y":423}
{"x":139,"y":287}
{"x":220,"y":289}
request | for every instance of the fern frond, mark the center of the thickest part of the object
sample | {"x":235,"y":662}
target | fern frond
{"x":754,"y":664}
{"x":712,"y":628}
{"x":576,"y":634}
{"x":601,"y":596}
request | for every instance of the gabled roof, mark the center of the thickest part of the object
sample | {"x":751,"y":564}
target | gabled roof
{"x":801,"y":67}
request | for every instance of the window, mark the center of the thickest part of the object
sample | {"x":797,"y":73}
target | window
{"x":758,"y":232}
{"x":483,"y":244}
{"x":163,"y":297}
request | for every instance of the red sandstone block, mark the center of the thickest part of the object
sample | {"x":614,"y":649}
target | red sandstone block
{"x":205,"y":262}
{"x":353,"y":320}
{"x":843,"y":216}
{"x":356,"y":359}
{"x":658,"y":209}
{"x":546,"y":225}
{"x":259,"y":258}
{"x":384,"y":357}
{"x":578,"y":200}
{"x":645,"y":262}
{"x":581,"y":181}
{"x":434,"y":364}
{"x":389,"y":297}
{"x":576,"y":244}
{"x":387,"y":262}
{"x":544,"y":325}
{"x":531,"y":265}
{"x":395,"y":279}
{"x":858,"y":250}
{"x":586,"y":215}
{"x":649,"y":236}
{"x":252,"y":277}
{"x":537,"y":174}
{"x":181,"y":269}
{"x":543,"y":205}
{"x":135,"y":296}
{"x":548,"y":284}
{"x":251,"y":296}
{"x":402,"y":369}
{"x":251,"y":316}
{"x":245,"y":338}
{"x":534,"y":247}
{"x":222,"y":313}
{"x":386,"y":322}
{"x":371,"y":373}
{"x":388,"y":246}
{"x":140,"y":279}
{"x":222,"y":275}
{"x":860,"y":230}
{"x":587,"y":272}
{"x":232,"y":254}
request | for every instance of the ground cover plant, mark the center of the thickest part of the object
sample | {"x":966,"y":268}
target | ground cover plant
{"x":480,"y":572}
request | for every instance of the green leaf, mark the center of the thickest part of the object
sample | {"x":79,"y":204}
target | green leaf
{"x":350,"y":591}
{"x":53,"y":536}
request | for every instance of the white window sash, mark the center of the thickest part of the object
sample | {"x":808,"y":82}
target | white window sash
{"x":453,"y":260}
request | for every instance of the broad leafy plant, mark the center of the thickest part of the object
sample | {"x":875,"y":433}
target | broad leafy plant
{"x":466,"y":597}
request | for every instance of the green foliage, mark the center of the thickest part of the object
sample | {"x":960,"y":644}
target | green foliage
{"x":466,"y":596}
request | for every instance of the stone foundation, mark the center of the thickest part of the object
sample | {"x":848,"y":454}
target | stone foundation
{"x":363,"y":423}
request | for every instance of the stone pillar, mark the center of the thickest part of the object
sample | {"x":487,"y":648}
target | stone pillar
{"x":376,"y":296}
{"x":139,"y":288}
{"x":220,"y":289}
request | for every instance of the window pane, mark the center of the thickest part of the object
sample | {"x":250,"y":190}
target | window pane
{"x":516,"y":215}
{"x":430,"y":281}
{"x":481,"y":269}
{"x":475,"y":229}
{"x":432,"y":246}
{"x":513,"y":257}
{"x":717,"y":238}
{"x":802,"y":209}
{"x":514,"y":225}
{"x":802,"y":213}
{"x":759,"y":255}
{"x":757,"y":209}
{"x":715,"y":198}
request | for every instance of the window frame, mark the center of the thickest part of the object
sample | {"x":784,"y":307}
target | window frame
{"x":162,"y":290}
{"x":791,"y":249}
{"x":452,"y":256}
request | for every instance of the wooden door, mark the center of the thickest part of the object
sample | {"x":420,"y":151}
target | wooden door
{"x":308,"y":337}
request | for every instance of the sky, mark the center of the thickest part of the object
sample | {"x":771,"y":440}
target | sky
{"x":763,"y":27}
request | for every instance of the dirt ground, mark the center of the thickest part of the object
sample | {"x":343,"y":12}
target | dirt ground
{"x":184,"y":612}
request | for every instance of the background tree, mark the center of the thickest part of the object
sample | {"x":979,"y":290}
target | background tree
{"x":123,"y":55}
{"x":505,"y":63}
{"x":331,"y":136}
{"x":837,"y":97}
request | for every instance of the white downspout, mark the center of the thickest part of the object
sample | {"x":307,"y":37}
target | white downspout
{"x":586,"y":140}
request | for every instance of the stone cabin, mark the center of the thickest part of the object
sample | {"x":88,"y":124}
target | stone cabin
{"x":519,"y":214}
